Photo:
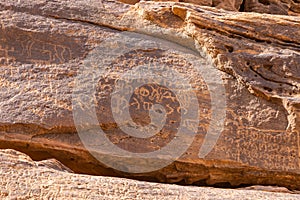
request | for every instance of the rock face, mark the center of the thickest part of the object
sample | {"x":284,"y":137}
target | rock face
{"x":281,"y":7}
{"x":256,"y":57}
{"x":23,"y":178}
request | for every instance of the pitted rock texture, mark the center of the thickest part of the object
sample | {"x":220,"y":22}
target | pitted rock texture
{"x":281,"y":7}
{"x":22,"y":178}
{"x":257,"y":55}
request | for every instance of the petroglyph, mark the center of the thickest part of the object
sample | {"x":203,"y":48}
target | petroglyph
{"x":144,"y":97}
{"x":37,"y":48}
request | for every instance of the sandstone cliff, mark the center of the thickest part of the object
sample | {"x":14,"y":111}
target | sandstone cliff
{"x":44,"y":45}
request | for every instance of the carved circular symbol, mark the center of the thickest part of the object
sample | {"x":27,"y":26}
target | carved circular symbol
{"x":169,"y":90}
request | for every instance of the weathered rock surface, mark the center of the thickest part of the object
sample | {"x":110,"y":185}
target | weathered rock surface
{"x":282,"y":7}
{"x":43,"y":45}
{"x":22,"y":178}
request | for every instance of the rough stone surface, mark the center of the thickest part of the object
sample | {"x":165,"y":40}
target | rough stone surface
{"x":281,"y":7}
{"x":22,"y":178}
{"x":257,"y":55}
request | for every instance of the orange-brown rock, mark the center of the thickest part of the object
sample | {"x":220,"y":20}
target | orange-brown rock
{"x":282,"y":7}
{"x":21,"y":177}
{"x":43,"y":45}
